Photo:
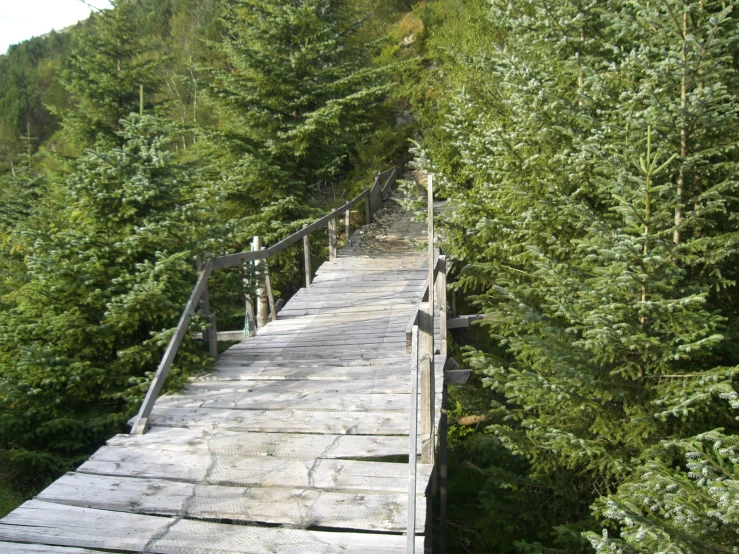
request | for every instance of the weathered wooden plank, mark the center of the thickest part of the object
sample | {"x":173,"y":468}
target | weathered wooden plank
{"x":25,"y":548}
{"x":285,"y":421}
{"x":309,"y":401}
{"x":234,"y":469}
{"x":299,"y":507}
{"x":276,"y":445}
{"x":274,"y":372}
{"x":396,"y":385}
{"x":56,"y":524}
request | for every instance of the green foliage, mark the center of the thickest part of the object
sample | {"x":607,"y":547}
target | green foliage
{"x":103,"y":76}
{"x":297,"y":91}
{"x":79,"y":337}
{"x":28,"y":80}
{"x":593,"y":210}
{"x":688,"y":508}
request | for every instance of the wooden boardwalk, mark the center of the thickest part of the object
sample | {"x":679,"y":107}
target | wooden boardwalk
{"x":296,"y":443}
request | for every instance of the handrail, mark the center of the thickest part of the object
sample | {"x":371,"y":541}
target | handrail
{"x":231,"y":260}
{"x":390,"y":182}
{"x":141,"y":421}
{"x":200,"y":291}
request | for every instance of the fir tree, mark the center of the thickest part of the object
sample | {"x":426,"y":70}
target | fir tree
{"x":103,"y":76}
{"x":593,"y":208}
{"x":101,"y":296}
{"x":298,"y":90}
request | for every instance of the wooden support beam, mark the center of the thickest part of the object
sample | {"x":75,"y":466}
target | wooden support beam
{"x":462,"y":321}
{"x":141,"y":421}
{"x":262,"y":302}
{"x":306,"y":257}
{"x":441,"y":301}
{"x":347,"y":230}
{"x":332,"y":243}
{"x":367,"y":210}
{"x":211,"y":332}
{"x":426,"y":364}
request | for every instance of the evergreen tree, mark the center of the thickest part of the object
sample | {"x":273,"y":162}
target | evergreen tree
{"x":103,"y":75}
{"x":103,"y":293}
{"x":593,"y":208}
{"x":298,"y":90}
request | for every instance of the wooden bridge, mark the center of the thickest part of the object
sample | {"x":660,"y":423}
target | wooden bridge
{"x":303,"y":438}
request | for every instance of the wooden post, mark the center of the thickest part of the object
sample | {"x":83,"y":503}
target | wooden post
{"x":426,"y":364}
{"x":347,"y":229}
{"x":270,"y":296}
{"x":332,"y":239}
{"x":413,"y":445}
{"x":248,"y":304}
{"x":443,"y":471}
{"x":306,"y":257}
{"x":431,"y":249}
{"x":441,"y":301}
{"x":262,"y":305}
{"x":211,"y":334}
{"x":367,"y":210}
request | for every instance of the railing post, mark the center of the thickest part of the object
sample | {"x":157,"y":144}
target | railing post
{"x":270,"y":296}
{"x":426,"y":363}
{"x":431,"y":249}
{"x":248,"y":303}
{"x":367,"y":209}
{"x":262,"y":305}
{"x":332,"y":239}
{"x":441,"y":302}
{"x":413,"y":445}
{"x":211,"y":332}
{"x":347,"y":229}
{"x":443,"y":471}
{"x":306,"y":257}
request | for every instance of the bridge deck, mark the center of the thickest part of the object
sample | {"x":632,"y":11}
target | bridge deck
{"x":297,"y":442}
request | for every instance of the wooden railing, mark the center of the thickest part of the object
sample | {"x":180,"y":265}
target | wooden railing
{"x":420,"y":345}
{"x":373,"y":197}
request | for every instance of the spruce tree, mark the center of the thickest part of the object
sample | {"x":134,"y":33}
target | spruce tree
{"x":103,"y":76}
{"x":79,"y":338}
{"x":297,"y":90}
{"x":594,"y":189}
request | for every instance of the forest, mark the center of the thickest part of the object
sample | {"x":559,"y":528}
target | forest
{"x":590,"y":152}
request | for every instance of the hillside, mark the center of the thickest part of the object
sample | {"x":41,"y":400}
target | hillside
{"x":587,"y":154}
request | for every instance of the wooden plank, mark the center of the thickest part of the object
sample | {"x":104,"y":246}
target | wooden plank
{"x":284,"y":421}
{"x":56,"y":524}
{"x":265,"y":471}
{"x":276,"y":445}
{"x":25,"y":548}
{"x":273,"y":372}
{"x":300,"y":507}
{"x":309,"y":401}
{"x":396,"y":385}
